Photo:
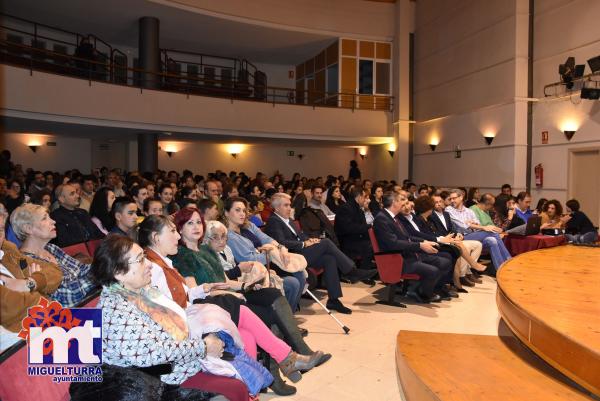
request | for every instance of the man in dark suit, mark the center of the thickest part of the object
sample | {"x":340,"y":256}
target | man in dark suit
{"x":73,"y":224}
{"x":318,"y":252}
{"x":419,"y":254}
{"x":352,"y":229}
{"x":442,"y":223}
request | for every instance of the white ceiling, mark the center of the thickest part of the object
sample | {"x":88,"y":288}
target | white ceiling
{"x":116,"y":22}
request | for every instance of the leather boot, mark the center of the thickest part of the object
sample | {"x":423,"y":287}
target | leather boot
{"x":279,"y":386}
{"x":294,"y":363}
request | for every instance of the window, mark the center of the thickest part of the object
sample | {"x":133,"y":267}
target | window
{"x":332,"y":79}
{"x":365,"y":77}
{"x":382,"y":75}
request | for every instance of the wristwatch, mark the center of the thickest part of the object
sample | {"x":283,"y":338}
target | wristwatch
{"x":30,"y":283}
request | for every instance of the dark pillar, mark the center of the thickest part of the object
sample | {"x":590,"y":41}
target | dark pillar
{"x":147,"y":152}
{"x":149,"y":52}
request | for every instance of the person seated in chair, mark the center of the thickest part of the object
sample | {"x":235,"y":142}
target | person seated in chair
{"x":318,"y":252}
{"x":419,"y":254}
{"x":315,"y":217}
{"x":352,"y":229}
{"x":552,"y":215}
{"x":73,"y":224}
{"x":124,"y":217}
{"x":578,"y":227}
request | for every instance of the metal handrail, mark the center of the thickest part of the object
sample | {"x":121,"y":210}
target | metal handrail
{"x":581,"y":80}
{"x":174,"y":82}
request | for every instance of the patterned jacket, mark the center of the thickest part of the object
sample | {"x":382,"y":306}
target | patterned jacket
{"x":131,"y":338}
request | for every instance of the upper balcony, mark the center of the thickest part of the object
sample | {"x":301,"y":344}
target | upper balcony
{"x":195,"y":93}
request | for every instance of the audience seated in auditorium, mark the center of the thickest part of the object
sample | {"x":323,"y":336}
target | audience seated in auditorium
{"x":419,"y":255}
{"x":552,"y":215}
{"x":87,"y":192}
{"x":505,"y":216}
{"x":473,"y":197}
{"x":43,"y":198}
{"x":506,"y":190}
{"x":249,"y":243}
{"x":73,"y":224}
{"x":100,"y":209}
{"x":159,"y":237}
{"x":523,"y":203}
{"x":200,"y":264}
{"x":23,"y":281}
{"x":212,"y":192}
{"x":139,"y":194}
{"x":425,"y":208}
{"x":482,"y":209}
{"x":38,"y":183}
{"x":578,"y":227}
{"x":124,"y":217}
{"x":35,"y":229}
{"x":153,"y":207}
{"x":540,"y":206}
{"x":334,"y":199}
{"x":315,"y":218}
{"x":466,"y":223}
{"x":352,"y":229}
{"x":318,"y":252}
{"x":167,"y":196}
{"x":376,"y":203}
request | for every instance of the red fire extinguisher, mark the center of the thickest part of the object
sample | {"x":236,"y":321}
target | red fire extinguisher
{"x":539,"y":175}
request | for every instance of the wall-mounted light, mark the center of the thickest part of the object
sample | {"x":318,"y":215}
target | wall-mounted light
{"x":362,"y":152}
{"x":300,"y":156}
{"x":434,"y":143}
{"x":569,"y":134}
{"x":235,"y":149}
{"x":34,"y":144}
{"x":170,"y":149}
{"x":392,"y":148}
{"x":489,"y":137}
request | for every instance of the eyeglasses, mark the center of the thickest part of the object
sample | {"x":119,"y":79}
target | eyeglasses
{"x":138,"y":260}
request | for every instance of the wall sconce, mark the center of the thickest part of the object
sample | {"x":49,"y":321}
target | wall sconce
{"x":34,"y":144}
{"x":363,"y":153}
{"x":33,"y":148}
{"x":434,"y":143}
{"x":569,"y":134}
{"x":489,"y":137}
{"x":300,"y":156}
{"x":170,"y":149}
{"x":392,"y":149}
{"x":235,"y":149}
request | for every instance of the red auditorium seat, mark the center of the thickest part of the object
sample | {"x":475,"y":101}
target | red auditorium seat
{"x":389,"y":267}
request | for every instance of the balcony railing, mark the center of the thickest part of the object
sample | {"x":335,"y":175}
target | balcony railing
{"x":238,"y":81}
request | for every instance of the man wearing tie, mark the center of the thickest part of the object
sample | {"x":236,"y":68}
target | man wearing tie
{"x":318,"y":252}
{"x":419,"y":254}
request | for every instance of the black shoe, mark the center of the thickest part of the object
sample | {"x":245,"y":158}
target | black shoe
{"x":357,"y":275}
{"x":462,"y":290}
{"x":303,"y":331}
{"x":467,"y":282}
{"x":474,"y":279}
{"x":370,"y":282}
{"x":336,"y":305}
{"x":436,"y":298}
{"x":449,"y":293}
{"x":443,"y":297}
{"x":415,"y":295}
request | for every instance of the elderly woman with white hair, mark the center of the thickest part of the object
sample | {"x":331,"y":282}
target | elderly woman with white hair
{"x":34,"y":227}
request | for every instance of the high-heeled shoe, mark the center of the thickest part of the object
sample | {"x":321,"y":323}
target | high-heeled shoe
{"x":294,"y":363}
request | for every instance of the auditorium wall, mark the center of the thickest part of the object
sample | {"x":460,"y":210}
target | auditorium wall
{"x":367,"y":19}
{"x":555,"y":40}
{"x":470,"y":66}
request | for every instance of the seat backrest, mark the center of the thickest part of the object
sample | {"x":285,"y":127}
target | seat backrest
{"x":77,"y":249}
{"x":92,"y":245}
{"x":389,"y":266}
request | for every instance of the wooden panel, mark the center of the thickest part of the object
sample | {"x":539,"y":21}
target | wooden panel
{"x":300,"y":71}
{"x":489,"y":368}
{"x":309,"y":67}
{"x":320,"y":61}
{"x":348,"y":75}
{"x":556,"y":290}
{"x":365,"y":102}
{"x":310,"y":87}
{"x":348,"y":47}
{"x":383,"y":50}
{"x":332,"y":53}
{"x":367,"y":49}
{"x":382,"y":103}
{"x":348,"y":101}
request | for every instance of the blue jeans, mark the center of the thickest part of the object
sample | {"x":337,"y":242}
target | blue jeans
{"x":293,"y":286}
{"x":587,"y":238}
{"x":493,"y":242}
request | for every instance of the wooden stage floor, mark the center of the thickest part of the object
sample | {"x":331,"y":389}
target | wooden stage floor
{"x":550,"y":299}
